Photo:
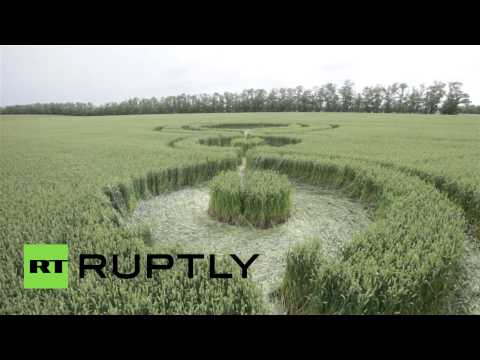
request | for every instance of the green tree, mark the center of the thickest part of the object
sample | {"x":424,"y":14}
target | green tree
{"x":401,"y":105}
{"x":433,"y":97}
{"x":330,"y":97}
{"x":358,"y":105}
{"x":390,"y":96}
{"x":347,"y":96}
{"x":455,"y":98}
{"x":415,"y":100}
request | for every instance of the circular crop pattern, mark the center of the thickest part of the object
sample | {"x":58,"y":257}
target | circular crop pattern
{"x":181,"y":218}
{"x":258,"y":198}
{"x":415,"y":255}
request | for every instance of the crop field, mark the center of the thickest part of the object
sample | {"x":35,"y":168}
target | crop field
{"x":381,"y":215}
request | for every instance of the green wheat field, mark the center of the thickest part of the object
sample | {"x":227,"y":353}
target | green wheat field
{"x":385,"y":219}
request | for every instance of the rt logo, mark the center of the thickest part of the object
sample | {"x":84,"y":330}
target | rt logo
{"x":45,"y":266}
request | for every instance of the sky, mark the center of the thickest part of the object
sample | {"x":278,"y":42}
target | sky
{"x":100,"y":74}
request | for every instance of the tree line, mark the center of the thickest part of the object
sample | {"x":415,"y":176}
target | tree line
{"x":440,"y":97}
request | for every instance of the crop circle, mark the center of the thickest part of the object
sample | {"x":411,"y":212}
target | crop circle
{"x":180,"y":218}
{"x":258,"y":198}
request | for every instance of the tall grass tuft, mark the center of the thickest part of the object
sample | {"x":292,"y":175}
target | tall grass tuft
{"x":247,"y":143}
{"x":280,"y":140}
{"x":261,"y":199}
{"x":220,"y":140}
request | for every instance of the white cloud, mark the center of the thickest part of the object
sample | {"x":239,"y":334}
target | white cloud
{"x":111,"y":73}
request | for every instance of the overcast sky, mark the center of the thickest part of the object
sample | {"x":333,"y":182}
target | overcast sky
{"x":100,"y":74}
